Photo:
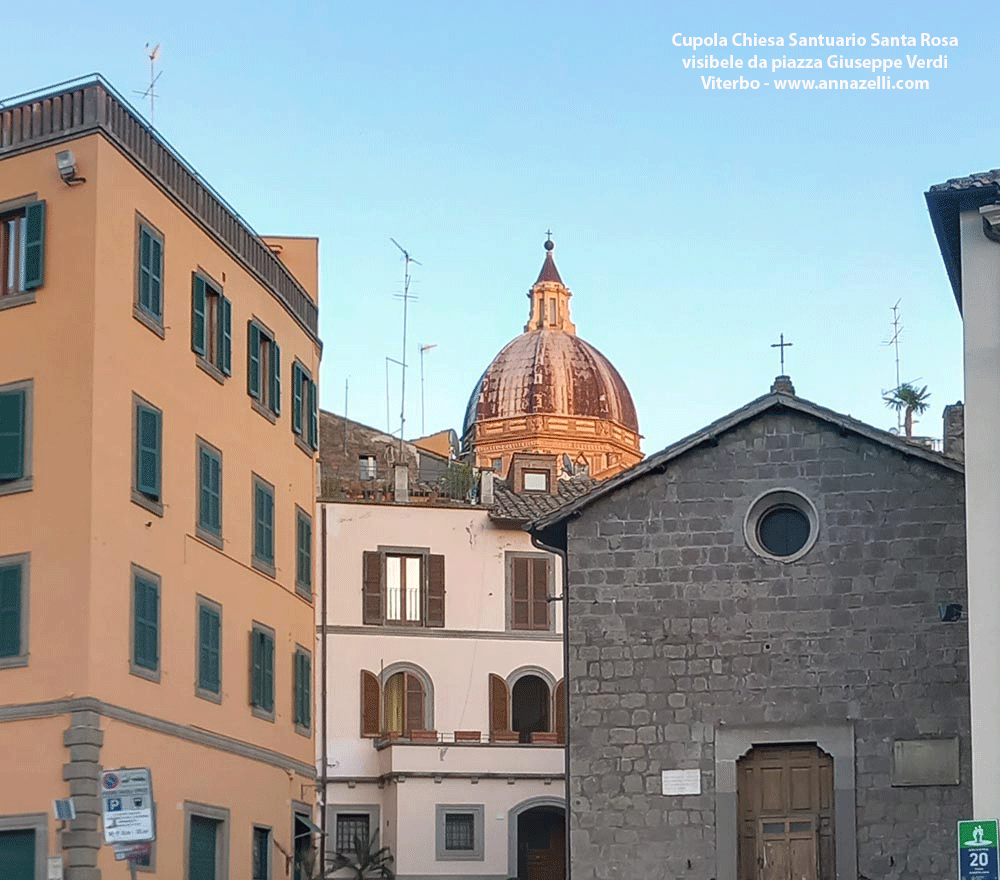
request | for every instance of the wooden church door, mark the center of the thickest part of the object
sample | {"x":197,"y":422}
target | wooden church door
{"x":785,"y":798}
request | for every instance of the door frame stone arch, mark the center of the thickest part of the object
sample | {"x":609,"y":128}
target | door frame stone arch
{"x":732,"y":743}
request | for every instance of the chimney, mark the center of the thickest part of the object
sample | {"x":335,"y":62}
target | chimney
{"x":954,"y":431}
{"x":400,"y":483}
{"x":486,"y":488}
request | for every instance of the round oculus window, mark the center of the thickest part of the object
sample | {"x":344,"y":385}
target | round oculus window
{"x":783,"y":530}
{"x":782,"y":525}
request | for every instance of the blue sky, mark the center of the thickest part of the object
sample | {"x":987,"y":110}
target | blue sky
{"x":692,"y":226}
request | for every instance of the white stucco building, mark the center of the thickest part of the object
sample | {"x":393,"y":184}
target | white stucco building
{"x":442,"y":656}
{"x":966,"y":216}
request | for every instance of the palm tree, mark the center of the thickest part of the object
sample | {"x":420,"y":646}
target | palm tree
{"x":365,"y":859}
{"x":910,"y":399}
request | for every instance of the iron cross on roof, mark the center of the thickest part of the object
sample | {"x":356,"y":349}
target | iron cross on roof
{"x":782,"y":346}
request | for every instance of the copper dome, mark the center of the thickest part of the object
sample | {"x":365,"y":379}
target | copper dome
{"x":551,"y":372}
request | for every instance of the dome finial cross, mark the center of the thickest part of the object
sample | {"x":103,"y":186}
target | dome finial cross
{"x":548,"y":240}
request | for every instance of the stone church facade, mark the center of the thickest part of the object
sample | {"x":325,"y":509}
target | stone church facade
{"x":766,"y":675}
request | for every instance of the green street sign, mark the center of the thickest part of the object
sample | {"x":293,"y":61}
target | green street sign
{"x":978,"y":849}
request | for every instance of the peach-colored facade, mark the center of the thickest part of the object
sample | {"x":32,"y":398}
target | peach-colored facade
{"x":76,"y":702}
{"x":406,"y":784}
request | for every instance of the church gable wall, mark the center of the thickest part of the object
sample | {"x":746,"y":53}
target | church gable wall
{"x":680,"y":635}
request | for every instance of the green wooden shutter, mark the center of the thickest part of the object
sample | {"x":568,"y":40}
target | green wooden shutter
{"x":275,"y":378}
{"x":210,"y":506}
{"x":303,"y":570}
{"x":297,"y":379}
{"x":148,"y":440}
{"x":268,"y":681}
{"x":10,"y":611}
{"x":225,"y":336}
{"x":256,"y":668}
{"x":198,"y":308}
{"x":208,"y":649}
{"x":17,"y":854}
{"x":156,"y":277}
{"x":145,"y":242}
{"x":34,"y":245}
{"x":201,"y":849}
{"x":303,"y":689}
{"x":313,"y":415}
{"x":12,"y":439}
{"x":269,"y":525}
{"x":253,"y":360}
{"x":146,"y":624}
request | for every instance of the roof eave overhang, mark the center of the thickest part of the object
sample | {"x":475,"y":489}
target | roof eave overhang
{"x":945,"y":206}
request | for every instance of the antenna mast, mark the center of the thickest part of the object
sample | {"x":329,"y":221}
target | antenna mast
{"x":153,"y":77}
{"x":897,"y":332}
{"x":407,"y":259}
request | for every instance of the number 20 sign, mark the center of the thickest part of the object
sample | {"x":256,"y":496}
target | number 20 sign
{"x":978,"y":850}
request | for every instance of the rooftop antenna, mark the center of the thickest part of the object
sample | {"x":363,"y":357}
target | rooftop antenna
{"x":405,"y":297}
{"x":423,"y":348}
{"x":897,"y":332}
{"x":153,"y":77}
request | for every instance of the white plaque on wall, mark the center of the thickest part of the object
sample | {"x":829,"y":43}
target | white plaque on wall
{"x":681,"y":781}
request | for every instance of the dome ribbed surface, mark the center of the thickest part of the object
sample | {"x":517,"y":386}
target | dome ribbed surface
{"x":551,"y":372}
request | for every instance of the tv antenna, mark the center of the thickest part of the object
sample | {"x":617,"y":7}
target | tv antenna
{"x":153,"y":77}
{"x":405,"y":296}
{"x":897,"y":332}
{"x":423,"y":348}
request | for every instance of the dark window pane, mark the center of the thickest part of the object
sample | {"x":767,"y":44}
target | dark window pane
{"x":783,"y":531}
{"x":459,"y":831}
{"x":351,"y":826}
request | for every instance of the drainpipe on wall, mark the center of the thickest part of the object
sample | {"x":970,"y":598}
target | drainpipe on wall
{"x":323,"y":695}
{"x":562,"y":554}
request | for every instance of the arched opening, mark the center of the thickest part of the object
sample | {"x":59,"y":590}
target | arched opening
{"x":530,"y":701}
{"x":541,"y":843}
{"x":403,"y":704}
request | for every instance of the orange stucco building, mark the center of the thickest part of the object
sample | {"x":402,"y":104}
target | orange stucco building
{"x":157,"y":477}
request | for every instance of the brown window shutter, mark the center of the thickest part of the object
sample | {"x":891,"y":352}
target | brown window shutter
{"x":414,"y":704}
{"x":559,"y":711}
{"x":499,"y":716}
{"x":372,"y":587}
{"x":435,"y":590}
{"x":520,"y":601}
{"x":370,"y":694}
{"x":539,"y":594}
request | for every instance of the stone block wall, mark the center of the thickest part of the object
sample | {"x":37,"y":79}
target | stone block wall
{"x":678,"y":630}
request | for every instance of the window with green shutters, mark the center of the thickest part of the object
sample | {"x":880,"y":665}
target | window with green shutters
{"x":302,"y":691}
{"x":305,"y":407}
{"x":261,"y":853}
{"x":145,"y":623}
{"x":303,"y":552}
{"x":15,"y":437}
{"x":17,"y":853}
{"x":263,"y":525}
{"x":209,"y":650}
{"x":147,"y":471}
{"x":263,"y":369}
{"x":13,"y":610}
{"x":149,"y":296}
{"x":211,"y":327}
{"x":209,"y":492}
{"x":262,"y":671}
{"x":22,"y":253}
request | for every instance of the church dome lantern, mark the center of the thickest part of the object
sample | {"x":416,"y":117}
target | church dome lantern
{"x":549,"y":391}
